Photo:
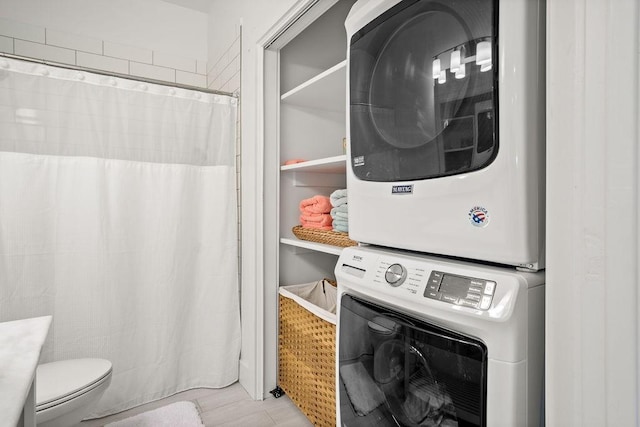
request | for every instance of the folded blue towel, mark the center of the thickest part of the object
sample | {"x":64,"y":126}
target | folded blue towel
{"x":338,"y":197}
{"x":340,"y":225}
{"x":342,"y":209}
{"x":340,"y":215}
{"x":340,"y":212}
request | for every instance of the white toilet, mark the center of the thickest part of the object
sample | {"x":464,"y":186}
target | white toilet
{"x":67,"y":390}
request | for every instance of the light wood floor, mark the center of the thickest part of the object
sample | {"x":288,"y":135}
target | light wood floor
{"x":230,"y":406}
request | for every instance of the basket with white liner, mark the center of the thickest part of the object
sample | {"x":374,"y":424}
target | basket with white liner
{"x":307,"y":348}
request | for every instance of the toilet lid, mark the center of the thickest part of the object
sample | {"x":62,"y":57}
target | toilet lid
{"x":57,"y":380}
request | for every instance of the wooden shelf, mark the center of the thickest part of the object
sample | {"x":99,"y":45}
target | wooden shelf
{"x":336,"y":164}
{"x":326,"y":91}
{"x":318,"y":247}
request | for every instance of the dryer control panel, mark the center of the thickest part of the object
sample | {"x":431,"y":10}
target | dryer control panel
{"x":454,"y":289}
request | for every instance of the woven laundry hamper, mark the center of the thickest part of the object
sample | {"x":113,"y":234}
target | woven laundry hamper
{"x":307,"y":349}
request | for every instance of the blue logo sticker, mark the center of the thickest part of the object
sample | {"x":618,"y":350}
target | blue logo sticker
{"x":402,"y":189}
{"x":479,"y":216}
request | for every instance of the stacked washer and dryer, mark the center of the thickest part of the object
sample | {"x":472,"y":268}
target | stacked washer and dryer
{"x":441,"y":306}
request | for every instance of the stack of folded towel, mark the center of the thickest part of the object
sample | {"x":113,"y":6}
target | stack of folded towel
{"x":315,"y":213}
{"x":340,"y":210}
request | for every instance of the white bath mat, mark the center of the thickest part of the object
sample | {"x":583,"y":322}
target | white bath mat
{"x":179,"y":414}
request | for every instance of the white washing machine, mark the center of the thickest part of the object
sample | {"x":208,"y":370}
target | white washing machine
{"x":429,"y":341}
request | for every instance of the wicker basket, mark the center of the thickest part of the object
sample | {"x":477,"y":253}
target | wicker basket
{"x":307,"y":357}
{"x":328,"y":237}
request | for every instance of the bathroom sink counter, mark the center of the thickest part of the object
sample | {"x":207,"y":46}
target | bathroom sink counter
{"x":20,"y":345}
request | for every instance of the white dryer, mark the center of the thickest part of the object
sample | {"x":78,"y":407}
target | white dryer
{"x":445,"y":127}
{"x":428,"y":341}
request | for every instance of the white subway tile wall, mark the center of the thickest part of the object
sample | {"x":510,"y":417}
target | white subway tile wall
{"x":132,"y":53}
{"x":6,"y":44}
{"x":43,"y":51}
{"x":73,"y":41}
{"x":59,"y":46}
{"x":18,"y":30}
{"x":173,"y":61}
{"x":152,"y":71}
{"x":224,"y":73}
{"x":104,"y":63}
{"x":191,"y":79}
{"x":201,"y":67}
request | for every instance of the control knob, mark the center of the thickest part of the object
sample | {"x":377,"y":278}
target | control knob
{"x":395,"y":275}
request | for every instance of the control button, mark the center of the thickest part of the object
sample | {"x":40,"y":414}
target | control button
{"x":489,"y":288}
{"x":432,"y":287}
{"x":468,"y":303}
{"x":485,"y":303}
{"x":473,"y":297}
{"x":449,"y":298}
{"x":432,"y":295}
{"x":475,"y":289}
{"x":395,"y":275}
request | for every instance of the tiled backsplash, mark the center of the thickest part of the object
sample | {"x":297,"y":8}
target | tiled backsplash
{"x":66,"y":48}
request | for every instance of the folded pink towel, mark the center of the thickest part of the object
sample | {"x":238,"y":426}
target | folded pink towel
{"x":320,"y":219}
{"x":294,"y":161}
{"x":316,"y":204}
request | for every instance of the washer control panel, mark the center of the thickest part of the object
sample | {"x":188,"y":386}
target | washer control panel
{"x":460,"y":290}
{"x":431,"y":285}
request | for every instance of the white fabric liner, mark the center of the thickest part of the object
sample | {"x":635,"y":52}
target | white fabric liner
{"x":135,"y":257}
{"x":315,"y":298}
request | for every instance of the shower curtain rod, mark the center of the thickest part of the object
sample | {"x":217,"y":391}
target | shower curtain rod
{"x":122,"y":76}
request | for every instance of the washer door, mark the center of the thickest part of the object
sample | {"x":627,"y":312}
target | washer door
{"x":422,"y":375}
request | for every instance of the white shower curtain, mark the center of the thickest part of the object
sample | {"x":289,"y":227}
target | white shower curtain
{"x":118,"y":217}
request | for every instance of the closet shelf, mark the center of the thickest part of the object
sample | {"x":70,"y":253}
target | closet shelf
{"x":318,"y":247}
{"x":336,"y":164}
{"x":326,"y":91}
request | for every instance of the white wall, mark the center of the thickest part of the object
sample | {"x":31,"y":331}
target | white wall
{"x":592,"y":332}
{"x":234,"y":26}
{"x":151,"y":24}
{"x":146,"y":38}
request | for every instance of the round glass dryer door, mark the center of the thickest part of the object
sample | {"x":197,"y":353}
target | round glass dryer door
{"x":423,"y":97}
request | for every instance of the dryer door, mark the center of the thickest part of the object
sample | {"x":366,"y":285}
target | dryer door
{"x":422,"y":91}
{"x":396,"y":370}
